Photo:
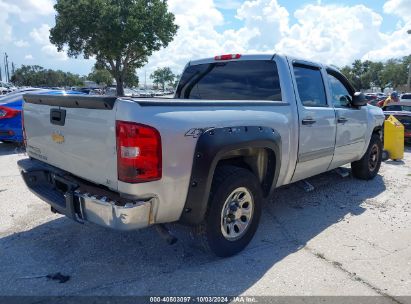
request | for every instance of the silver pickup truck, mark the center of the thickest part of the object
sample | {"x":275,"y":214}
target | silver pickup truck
{"x":238,"y":127}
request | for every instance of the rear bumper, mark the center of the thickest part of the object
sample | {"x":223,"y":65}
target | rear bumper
{"x":83,"y":202}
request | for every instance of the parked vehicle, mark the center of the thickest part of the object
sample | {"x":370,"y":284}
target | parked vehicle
{"x":402,"y":112}
{"x":238,"y":128}
{"x":10,"y":113}
{"x":6,"y":88}
{"x":111,"y":91}
{"x":3,"y":90}
{"x":131,"y":93}
{"x":405,"y":97}
{"x":144,"y":93}
{"x":372,"y":99}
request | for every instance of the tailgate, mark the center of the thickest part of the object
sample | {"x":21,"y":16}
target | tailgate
{"x":73,"y":133}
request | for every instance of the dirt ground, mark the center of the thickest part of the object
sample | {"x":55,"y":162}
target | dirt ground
{"x":346,"y":238}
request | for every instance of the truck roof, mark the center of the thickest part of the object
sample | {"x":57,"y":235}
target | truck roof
{"x":266,"y":56}
{"x":243,"y":57}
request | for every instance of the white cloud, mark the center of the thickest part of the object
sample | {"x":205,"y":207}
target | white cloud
{"x":21,"y":43}
{"x":267,"y":19}
{"x":332,"y":34}
{"x":28,"y":57}
{"x":39,"y":7}
{"x":51,"y":51}
{"x":336,"y":34}
{"x":401,"y":8}
{"x":26,"y":10}
{"x":396,"y":44}
{"x":196,"y":36}
{"x":6,"y":30}
{"x":41,"y":34}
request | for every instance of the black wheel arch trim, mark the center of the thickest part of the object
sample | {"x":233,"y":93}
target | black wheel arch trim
{"x":377,"y":129}
{"x":217,"y":144}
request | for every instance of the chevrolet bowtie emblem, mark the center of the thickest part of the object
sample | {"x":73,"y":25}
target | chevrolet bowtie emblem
{"x":57,"y":138}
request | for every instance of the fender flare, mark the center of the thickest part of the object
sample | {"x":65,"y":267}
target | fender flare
{"x":217,"y":144}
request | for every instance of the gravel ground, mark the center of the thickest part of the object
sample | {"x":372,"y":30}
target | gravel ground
{"x":348,"y":237}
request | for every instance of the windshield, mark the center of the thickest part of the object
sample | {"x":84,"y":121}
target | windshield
{"x":233,"y":80}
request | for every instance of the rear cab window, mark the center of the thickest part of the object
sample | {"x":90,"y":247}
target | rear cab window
{"x":231,"y":80}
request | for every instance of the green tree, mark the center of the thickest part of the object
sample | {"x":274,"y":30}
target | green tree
{"x":176,"y":80}
{"x":348,"y":72}
{"x":163,"y":76}
{"x":100,"y":76}
{"x":394,"y":73}
{"x":373,"y":75}
{"x":121,"y":34}
{"x":364,"y":74}
{"x":131,"y":79}
{"x":37,"y":76}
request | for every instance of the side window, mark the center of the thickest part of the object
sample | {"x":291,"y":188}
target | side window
{"x":339,"y":93}
{"x":310,"y":86}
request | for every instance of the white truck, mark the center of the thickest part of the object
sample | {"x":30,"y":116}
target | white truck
{"x":238,"y":127}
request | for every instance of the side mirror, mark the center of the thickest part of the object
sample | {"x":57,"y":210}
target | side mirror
{"x":359,"y":100}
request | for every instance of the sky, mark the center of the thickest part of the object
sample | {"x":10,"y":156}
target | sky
{"x":329,"y":31}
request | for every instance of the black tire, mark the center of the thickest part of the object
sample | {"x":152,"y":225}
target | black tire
{"x":228,"y":179}
{"x":368,"y":166}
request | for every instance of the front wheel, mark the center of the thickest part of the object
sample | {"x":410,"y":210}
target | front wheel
{"x":233,"y":212}
{"x":369,"y":165}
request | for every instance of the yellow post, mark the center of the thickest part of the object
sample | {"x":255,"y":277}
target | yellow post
{"x":394,"y":138}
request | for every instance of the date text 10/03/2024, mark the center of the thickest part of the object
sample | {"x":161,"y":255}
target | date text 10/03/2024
{"x":204,"y":299}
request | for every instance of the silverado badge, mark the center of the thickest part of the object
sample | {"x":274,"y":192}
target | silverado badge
{"x":57,"y":138}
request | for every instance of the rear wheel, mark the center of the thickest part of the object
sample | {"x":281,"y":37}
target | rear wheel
{"x":233,"y":212}
{"x":369,"y":165}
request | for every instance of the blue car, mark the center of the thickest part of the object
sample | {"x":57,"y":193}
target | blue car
{"x":10,"y":112}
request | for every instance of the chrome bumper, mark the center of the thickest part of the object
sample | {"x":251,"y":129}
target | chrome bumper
{"x":65,"y":196}
{"x":101,"y":211}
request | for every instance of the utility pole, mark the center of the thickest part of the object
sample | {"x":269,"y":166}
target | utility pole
{"x":6,"y":67}
{"x":145,"y":79}
{"x":409,"y":71}
{"x":5,"y":70}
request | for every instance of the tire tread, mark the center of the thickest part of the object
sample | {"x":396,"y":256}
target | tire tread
{"x":360,"y":168}
{"x":221,"y":174}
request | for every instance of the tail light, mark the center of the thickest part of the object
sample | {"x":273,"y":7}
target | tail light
{"x":138,"y":152}
{"x":6,"y":112}
{"x":227,"y":57}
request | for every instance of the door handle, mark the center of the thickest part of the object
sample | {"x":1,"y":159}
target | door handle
{"x":342,"y":120}
{"x":308,"y":121}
